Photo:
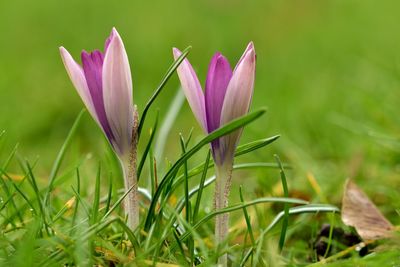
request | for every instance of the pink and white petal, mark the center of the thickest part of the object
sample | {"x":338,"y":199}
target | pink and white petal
{"x":192,"y":89}
{"x":218,"y":77}
{"x":238,"y":97}
{"x":117,"y":92}
{"x":249,"y":47}
{"x":77,"y":76}
{"x":109,"y":38}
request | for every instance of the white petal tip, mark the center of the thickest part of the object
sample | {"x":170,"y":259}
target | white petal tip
{"x":62,"y":50}
{"x":65,"y":55}
{"x":114,"y":32}
{"x":250,"y":47}
{"x":176,"y":52}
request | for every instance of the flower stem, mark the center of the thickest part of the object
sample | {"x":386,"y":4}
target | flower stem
{"x":222,"y":189}
{"x":129,"y":168}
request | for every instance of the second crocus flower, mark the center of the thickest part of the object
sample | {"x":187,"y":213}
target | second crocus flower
{"x":227,"y":96}
{"x":104,"y":83}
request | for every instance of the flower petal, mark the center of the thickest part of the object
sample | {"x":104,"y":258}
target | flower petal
{"x":92,"y":67}
{"x":77,"y":76}
{"x":109,"y":38}
{"x":117,"y":93}
{"x":218,"y":77}
{"x":238,"y":98}
{"x":192,"y":89}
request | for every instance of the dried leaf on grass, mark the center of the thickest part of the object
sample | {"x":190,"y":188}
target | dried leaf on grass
{"x":361,"y":213}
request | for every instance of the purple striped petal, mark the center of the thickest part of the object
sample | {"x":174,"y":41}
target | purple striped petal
{"x":92,"y":66}
{"x":192,"y":89}
{"x":218,"y":77}
{"x":238,"y":98}
{"x":117,"y":91}
{"x":78,"y":79}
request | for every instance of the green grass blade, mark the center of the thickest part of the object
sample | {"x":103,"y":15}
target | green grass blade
{"x":247,"y":218}
{"x":9,"y":195}
{"x":79,"y":199}
{"x":191,"y":230}
{"x":117,"y":203}
{"x":249,"y":147}
{"x":201,"y":187}
{"x":78,"y":189}
{"x":109,"y":195}
{"x":59,"y":159}
{"x":60,"y":213}
{"x":230,"y":127}
{"x":10,"y":157}
{"x":241,"y":150}
{"x":153,"y":174}
{"x":29,"y":202}
{"x":189,"y":138}
{"x":211,"y":179}
{"x":4,"y":185}
{"x":241,"y":206}
{"x":165,"y":79}
{"x":38,"y":196}
{"x":309,"y":208}
{"x":147,"y":149}
{"x":186,"y":186}
{"x":5,"y":203}
{"x":180,"y":246}
{"x":285,"y":221}
{"x":100,"y":226}
{"x":96,"y":200}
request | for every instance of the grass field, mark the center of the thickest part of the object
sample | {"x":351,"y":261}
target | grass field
{"x":328,"y":73}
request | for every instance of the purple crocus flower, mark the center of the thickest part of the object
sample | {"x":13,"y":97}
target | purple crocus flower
{"x":227,"y":96}
{"x":105,"y":85}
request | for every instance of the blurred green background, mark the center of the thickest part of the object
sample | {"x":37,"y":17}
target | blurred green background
{"x":328,"y":71}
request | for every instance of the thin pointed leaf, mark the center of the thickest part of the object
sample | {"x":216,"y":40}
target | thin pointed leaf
{"x":186,"y":187}
{"x":249,"y":147}
{"x":247,"y":218}
{"x":147,"y":149}
{"x":79,"y":198}
{"x":241,"y":206}
{"x":201,"y":187}
{"x":38,"y":196}
{"x":117,"y":203}
{"x":165,"y":79}
{"x":285,"y":221}
{"x":96,"y":200}
{"x":109,"y":195}
{"x":10,"y":196}
{"x":59,"y":159}
{"x":309,"y":208}
{"x":78,"y":189}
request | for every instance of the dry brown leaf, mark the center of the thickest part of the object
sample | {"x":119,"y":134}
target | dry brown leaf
{"x":361,"y":213}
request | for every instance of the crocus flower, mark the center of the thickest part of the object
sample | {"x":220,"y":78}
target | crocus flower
{"x":105,"y":85}
{"x":227,"y":96}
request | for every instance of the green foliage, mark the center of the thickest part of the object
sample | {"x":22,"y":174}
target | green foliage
{"x":77,"y":231}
